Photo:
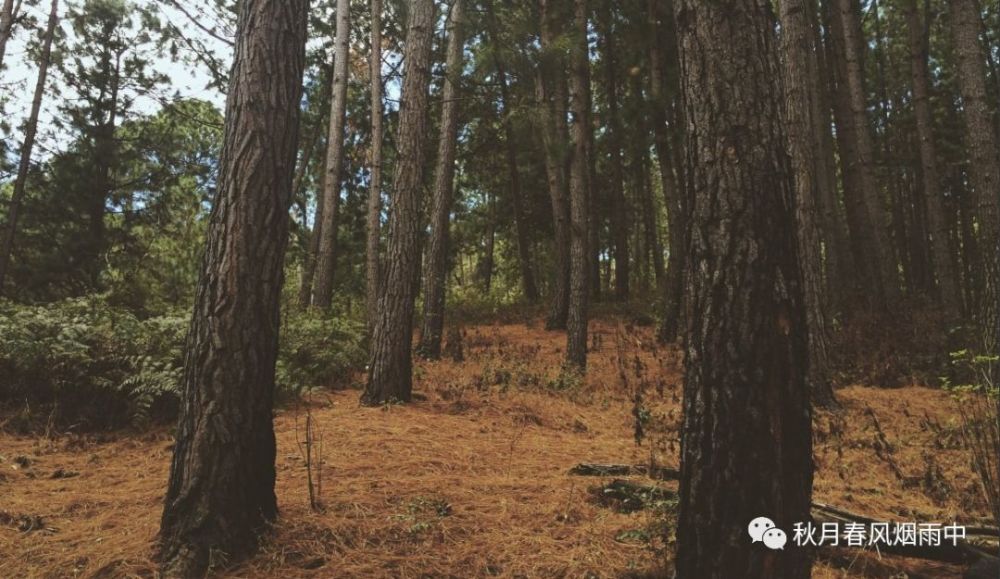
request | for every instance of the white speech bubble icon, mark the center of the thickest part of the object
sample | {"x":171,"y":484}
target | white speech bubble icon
{"x":758,"y":527}
{"x":775,"y":539}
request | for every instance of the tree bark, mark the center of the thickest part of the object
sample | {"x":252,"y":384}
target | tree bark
{"x":7,"y":14}
{"x":746,"y":444}
{"x":327,"y":256}
{"x":436,"y":267}
{"x":619,"y":205}
{"x":374,"y":217}
{"x":799,"y":67}
{"x":984,"y":155}
{"x":576,"y":319}
{"x":30,"y":130}
{"x":220,"y":494}
{"x":941,"y":263}
{"x":884,"y":271}
{"x":390,"y":368}
{"x":550,"y":86}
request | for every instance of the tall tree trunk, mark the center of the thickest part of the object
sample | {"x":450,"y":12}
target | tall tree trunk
{"x":883,"y":272}
{"x":984,"y":157}
{"x":746,"y":445}
{"x":7,"y":14}
{"x":390,"y":375}
{"x":307,"y":237}
{"x":327,"y":256}
{"x":374,"y":217}
{"x":941,"y":263}
{"x":220,"y":494}
{"x":640,"y":174}
{"x":576,"y":319}
{"x":550,"y":86}
{"x":312,"y":253}
{"x":619,"y":205}
{"x":30,"y":130}
{"x":436,"y":268}
{"x":799,"y":68}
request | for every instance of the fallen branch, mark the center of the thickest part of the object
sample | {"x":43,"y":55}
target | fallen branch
{"x":656,"y":472}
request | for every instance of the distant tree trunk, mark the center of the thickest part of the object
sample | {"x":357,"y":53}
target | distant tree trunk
{"x":7,"y":14}
{"x":30,"y":130}
{"x":312,"y":252}
{"x":486,"y":265}
{"x":390,"y":374}
{"x":640,"y":173}
{"x":576,"y":319}
{"x":984,"y":155}
{"x":941,"y":263}
{"x":308,"y":257}
{"x":884,"y":271}
{"x":799,"y":68}
{"x":551,"y":94}
{"x":619,"y":205}
{"x":220,"y":494}
{"x":374,"y":218}
{"x":746,"y":445}
{"x":327,"y":256}
{"x":436,"y":267}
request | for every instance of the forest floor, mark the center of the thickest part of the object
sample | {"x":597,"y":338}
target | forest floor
{"x":471,"y":480}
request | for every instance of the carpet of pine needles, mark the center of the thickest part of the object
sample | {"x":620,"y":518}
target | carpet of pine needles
{"x":471,"y":479}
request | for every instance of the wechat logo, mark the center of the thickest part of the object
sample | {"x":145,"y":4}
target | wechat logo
{"x":763,"y":530}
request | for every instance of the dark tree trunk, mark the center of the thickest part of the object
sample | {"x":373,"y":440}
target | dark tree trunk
{"x":576,"y":319}
{"x":390,"y":368}
{"x":640,"y":176}
{"x":221,"y":489}
{"x":436,"y":268}
{"x":30,"y":130}
{"x":941,"y":263}
{"x":799,"y":68}
{"x":327,"y":256}
{"x":746,"y":444}
{"x":619,"y":205}
{"x":7,"y":14}
{"x":551,"y":94}
{"x":374,"y":217}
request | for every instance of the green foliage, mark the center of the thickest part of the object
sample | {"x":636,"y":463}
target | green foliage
{"x":318,"y":351}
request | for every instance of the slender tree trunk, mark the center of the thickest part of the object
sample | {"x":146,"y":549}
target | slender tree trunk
{"x":640,"y":172}
{"x":390,"y":374}
{"x":436,"y":268}
{"x":7,"y":14}
{"x":746,"y":445}
{"x":576,"y":320}
{"x":312,"y":254}
{"x":884,"y":270}
{"x":486,"y":265}
{"x":941,"y":264}
{"x":327,"y":256}
{"x":374,"y":218}
{"x":308,"y":258}
{"x":619,"y":205}
{"x":799,"y":67}
{"x":551,"y":95}
{"x":984,"y":157}
{"x":30,"y":130}
{"x":220,"y":494}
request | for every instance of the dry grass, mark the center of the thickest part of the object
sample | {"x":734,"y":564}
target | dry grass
{"x":469,"y":481}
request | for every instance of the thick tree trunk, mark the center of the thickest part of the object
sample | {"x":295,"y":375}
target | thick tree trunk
{"x":799,"y":67}
{"x":7,"y":14}
{"x":30,"y":130}
{"x":221,"y":488}
{"x":941,"y":263}
{"x":374,"y":217}
{"x":327,"y":256}
{"x":984,"y":156}
{"x":390,"y":375}
{"x":746,"y":444}
{"x":576,"y":319}
{"x":884,"y":271}
{"x":616,"y":174}
{"x":551,"y":94}
{"x":436,"y":267}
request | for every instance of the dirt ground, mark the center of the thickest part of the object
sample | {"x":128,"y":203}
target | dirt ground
{"x":471,"y":479}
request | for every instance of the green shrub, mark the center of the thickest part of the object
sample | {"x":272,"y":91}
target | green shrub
{"x":317,"y":351}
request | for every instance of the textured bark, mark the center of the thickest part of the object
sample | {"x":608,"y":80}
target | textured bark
{"x":220,"y":494}
{"x":576,"y":319}
{"x":436,"y":267}
{"x":390,"y":368}
{"x":884,"y":271}
{"x":616,"y":190}
{"x":30,"y":130}
{"x":327,"y":256}
{"x":746,"y":442}
{"x":7,"y":14}
{"x":374,"y":217}
{"x":941,"y":263}
{"x":984,"y":156}
{"x":550,"y":86}
{"x":799,"y":68}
